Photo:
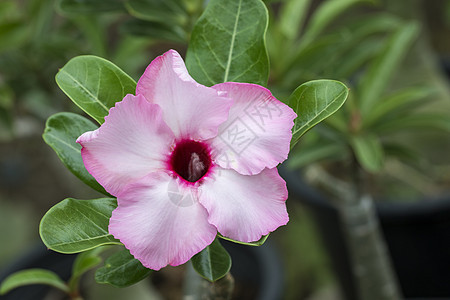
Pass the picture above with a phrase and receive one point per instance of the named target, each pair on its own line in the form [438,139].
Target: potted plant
[97,86]
[363,149]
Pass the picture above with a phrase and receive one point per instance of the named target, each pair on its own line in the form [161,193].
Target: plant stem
[75,296]
[371,264]
[372,269]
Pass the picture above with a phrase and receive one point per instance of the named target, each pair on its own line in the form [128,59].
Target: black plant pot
[417,236]
[257,271]
[37,257]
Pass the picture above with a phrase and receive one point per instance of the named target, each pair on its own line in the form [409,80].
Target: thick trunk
[371,264]
[372,269]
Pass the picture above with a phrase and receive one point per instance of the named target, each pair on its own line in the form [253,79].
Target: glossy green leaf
[121,269]
[166,12]
[154,30]
[228,43]
[32,276]
[94,84]
[313,102]
[377,78]
[258,243]
[61,132]
[368,151]
[73,225]
[213,262]
[89,6]
[327,12]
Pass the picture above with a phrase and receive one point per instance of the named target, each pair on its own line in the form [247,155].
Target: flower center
[190,160]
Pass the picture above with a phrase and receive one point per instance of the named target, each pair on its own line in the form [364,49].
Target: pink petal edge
[244,207]
[191,110]
[133,142]
[258,131]
[160,221]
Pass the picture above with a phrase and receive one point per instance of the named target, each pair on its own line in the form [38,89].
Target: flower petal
[133,142]
[159,221]
[257,133]
[190,109]
[244,207]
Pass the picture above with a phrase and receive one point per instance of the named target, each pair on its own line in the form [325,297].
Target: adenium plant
[186,161]
[182,161]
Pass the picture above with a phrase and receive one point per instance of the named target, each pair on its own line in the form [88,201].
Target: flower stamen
[190,160]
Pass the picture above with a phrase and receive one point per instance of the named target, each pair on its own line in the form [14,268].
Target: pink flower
[186,161]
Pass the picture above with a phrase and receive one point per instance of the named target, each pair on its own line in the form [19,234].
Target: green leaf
[325,14]
[408,97]
[364,26]
[213,262]
[13,35]
[73,225]
[355,57]
[121,269]
[417,121]
[84,262]
[348,47]
[292,16]
[312,154]
[6,96]
[166,12]
[94,84]
[89,6]
[258,243]
[32,276]
[405,153]
[313,102]
[61,132]
[154,30]
[379,74]
[228,43]
[368,151]
[308,62]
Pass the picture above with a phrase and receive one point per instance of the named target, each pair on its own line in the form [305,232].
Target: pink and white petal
[190,109]
[133,142]
[244,207]
[257,133]
[160,221]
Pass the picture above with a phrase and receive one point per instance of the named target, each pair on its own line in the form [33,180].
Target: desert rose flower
[186,161]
